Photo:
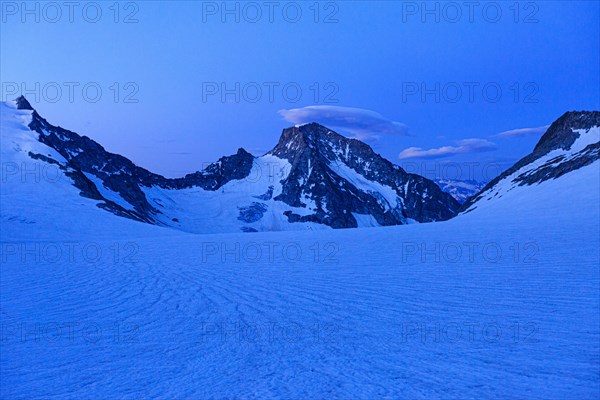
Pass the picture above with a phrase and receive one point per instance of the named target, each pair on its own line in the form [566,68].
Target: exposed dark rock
[267,196]
[560,135]
[23,104]
[332,175]
[252,213]
[122,176]
[237,166]
[559,166]
[320,158]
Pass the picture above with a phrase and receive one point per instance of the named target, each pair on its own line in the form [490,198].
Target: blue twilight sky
[436,87]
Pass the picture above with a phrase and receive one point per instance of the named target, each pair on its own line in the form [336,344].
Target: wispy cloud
[463,146]
[520,132]
[362,123]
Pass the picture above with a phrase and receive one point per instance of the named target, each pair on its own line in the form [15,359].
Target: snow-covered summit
[314,178]
[345,177]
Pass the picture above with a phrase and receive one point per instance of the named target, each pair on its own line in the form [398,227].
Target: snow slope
[502,302]
[206,316]
[219,211]
[564,155]
[32,190]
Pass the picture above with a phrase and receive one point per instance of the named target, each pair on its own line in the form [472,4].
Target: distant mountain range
[313,178]
[461,190]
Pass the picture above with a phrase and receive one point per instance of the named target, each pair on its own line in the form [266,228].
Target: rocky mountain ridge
[323,178]
[570,143]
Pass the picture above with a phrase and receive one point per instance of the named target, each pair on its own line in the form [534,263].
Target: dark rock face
[268,195]
[237,166]
[561,165]
[560,135]
[324,166]
[83,155]
[122,176]
[88,189]
[23,104]
[336,175]
[253,212]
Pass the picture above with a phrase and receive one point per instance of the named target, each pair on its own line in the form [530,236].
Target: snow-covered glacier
[501,301]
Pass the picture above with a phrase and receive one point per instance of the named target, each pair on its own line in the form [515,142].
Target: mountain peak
[560,134]
[327,180]
[569,144]
[309,132]
[242,152]
[334,177]
[23,104]
[311,138]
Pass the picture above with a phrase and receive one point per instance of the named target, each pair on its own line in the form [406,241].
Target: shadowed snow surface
[501,302]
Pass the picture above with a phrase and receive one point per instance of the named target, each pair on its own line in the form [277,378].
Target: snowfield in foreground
[487,305]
